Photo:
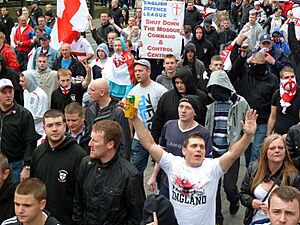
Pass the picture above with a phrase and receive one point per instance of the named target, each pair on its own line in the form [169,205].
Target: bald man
[69,61]
[104,107]
[23,42]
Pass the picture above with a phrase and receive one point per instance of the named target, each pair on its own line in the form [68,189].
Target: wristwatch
[27,167]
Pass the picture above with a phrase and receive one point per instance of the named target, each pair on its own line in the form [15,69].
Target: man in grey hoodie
[223,123]
[35,98]
[165,78]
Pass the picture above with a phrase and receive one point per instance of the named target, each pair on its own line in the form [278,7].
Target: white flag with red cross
[72,18]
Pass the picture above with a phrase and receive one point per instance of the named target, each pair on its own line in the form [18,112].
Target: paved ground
[228,219]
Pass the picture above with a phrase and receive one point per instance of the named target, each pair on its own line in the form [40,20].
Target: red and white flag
[72,18]
[206,11]
[284,27]
[225,54]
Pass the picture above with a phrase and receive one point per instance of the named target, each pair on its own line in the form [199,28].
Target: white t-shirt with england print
[192,189]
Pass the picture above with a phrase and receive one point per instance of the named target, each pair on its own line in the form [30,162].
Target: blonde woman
[273,168]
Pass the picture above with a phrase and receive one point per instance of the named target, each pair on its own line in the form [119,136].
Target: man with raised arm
[193,180]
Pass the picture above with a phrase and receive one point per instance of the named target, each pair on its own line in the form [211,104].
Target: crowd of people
[70,156]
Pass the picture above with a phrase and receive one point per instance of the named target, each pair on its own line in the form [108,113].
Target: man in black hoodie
[211,34]
[192,17]
[256,83]
[167,108]
[56,163]
[204,48]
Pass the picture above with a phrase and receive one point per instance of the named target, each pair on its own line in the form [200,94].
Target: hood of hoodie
[278,30]
[122,41]
[104,48]
[185,74]
[220,78]
[30,76]
[203,34]
[66,143]
[189,47]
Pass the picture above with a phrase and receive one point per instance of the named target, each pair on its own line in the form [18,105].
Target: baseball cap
[45,36]
[265,38]
[143,62]
[5,83]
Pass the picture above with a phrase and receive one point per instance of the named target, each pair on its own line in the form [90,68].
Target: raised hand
[249,126]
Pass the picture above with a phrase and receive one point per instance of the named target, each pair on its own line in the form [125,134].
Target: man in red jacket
[23,42]
[8,54]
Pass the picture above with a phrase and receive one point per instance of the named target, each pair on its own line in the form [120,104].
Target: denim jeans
[259,137]
[17,168]
[139,156]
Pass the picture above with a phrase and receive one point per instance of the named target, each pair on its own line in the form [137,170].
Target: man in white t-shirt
[193,180]
[147,93]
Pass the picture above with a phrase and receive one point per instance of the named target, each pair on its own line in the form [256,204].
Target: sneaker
[234,208]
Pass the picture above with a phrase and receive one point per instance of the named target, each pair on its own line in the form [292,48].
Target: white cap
[5,83]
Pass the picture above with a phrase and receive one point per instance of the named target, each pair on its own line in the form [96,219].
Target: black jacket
[225,36]
[295,49]
[59,100]
[257,89]
[111,112]
[111,193]
[115,13]
[247,196]
[9,24]
[204,48]
[293,144]
[13,76]
[103,30]
[36,13]
[18,138]
[49,221]
[192,18]
[212,36]
[167,108]
[7,194]
[235,13]
[58,169]
[76,66]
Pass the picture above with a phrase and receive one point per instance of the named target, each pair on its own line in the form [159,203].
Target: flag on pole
[72,18]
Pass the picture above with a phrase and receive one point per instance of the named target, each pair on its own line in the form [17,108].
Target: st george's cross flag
[72,18]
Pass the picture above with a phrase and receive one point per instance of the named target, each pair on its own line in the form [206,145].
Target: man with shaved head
[69,61]
[104,107]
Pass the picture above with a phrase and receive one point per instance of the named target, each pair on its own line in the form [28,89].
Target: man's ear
[110,144]
[43,204]
[6,174]
[183,151]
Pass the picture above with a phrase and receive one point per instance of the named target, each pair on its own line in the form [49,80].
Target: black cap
[194,100]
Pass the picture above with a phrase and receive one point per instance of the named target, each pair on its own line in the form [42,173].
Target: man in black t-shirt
[285,103]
